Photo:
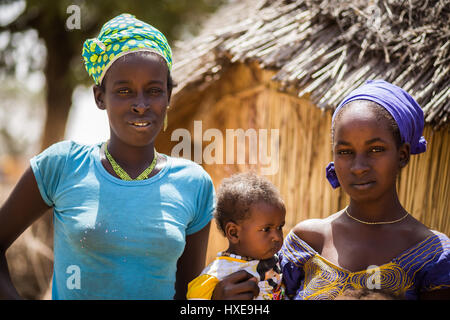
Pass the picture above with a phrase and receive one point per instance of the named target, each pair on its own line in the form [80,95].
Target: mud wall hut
[281,67]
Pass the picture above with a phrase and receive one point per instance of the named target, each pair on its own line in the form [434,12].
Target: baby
[250,213]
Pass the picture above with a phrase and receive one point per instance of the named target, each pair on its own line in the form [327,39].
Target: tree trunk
[59,91]
[59,100]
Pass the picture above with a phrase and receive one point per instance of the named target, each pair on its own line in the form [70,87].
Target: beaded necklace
[122,173]
[231,255]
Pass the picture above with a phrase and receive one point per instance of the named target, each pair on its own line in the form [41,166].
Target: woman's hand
[240,285]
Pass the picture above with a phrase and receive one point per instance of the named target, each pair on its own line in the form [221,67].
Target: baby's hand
[240,285]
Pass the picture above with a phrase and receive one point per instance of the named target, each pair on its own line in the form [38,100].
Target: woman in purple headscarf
[374,242]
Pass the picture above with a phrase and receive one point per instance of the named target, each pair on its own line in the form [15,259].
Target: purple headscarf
[403,108]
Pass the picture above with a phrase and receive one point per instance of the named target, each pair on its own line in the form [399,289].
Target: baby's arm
[21,209]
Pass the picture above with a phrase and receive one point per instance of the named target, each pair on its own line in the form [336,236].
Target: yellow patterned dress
[423,267]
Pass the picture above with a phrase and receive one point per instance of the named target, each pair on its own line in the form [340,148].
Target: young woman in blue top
[130,223]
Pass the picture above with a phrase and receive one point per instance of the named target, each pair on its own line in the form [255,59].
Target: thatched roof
[326,48]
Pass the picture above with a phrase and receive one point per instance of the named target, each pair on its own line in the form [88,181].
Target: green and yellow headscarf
[119,36]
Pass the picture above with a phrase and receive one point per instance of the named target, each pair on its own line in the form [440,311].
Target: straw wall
[424,185]
[245,98]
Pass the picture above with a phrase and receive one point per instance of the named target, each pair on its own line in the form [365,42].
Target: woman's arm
[192,261]
[21,209]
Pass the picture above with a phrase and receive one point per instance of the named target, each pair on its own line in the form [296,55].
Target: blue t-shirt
[116,239]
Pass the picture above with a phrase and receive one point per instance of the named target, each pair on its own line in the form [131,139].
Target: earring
[165,119]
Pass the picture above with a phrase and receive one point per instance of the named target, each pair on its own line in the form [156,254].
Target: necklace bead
[122,174]
[235,256]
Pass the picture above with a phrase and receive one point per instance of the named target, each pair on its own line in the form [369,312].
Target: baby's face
[261,234]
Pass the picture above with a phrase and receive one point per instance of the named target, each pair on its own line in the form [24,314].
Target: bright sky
[86,124]
[11,11]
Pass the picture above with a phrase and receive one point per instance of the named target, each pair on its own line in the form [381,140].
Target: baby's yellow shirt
[202,287]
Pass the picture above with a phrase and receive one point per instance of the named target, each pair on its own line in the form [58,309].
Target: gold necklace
[381,222]
[122,174]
